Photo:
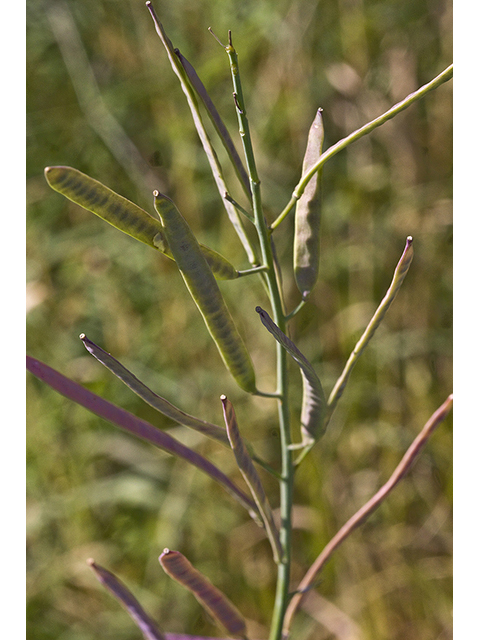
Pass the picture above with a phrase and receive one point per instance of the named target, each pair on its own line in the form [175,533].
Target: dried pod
[313,403]
[180,569]
[308,214]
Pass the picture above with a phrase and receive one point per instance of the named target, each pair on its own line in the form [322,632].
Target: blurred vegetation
[96,492]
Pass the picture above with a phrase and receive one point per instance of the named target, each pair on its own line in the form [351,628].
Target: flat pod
[146,625]
[123,214]
[180,569]
[247,468]
[204,290]
[308,215]
[153,399]
[313,403]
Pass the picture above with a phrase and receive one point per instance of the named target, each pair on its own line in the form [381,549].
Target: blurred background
[103,98]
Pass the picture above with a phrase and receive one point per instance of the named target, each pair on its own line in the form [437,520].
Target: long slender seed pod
[124,215]
[222,130]
[245,464]
[151,398]
[313,402]
[399,274]
[212,599]
[307,215]
[137,427]
[212,157]
[205,292]
[146,625]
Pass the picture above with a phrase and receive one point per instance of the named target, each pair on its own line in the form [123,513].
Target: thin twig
[403,467]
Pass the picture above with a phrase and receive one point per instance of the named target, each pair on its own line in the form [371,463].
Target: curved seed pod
[124,214]
[218,123]
[119,590]
[399,274]
[245,464]
[313,403]
[151,398]
[221,267]
[307,215]
[139,428]
[180,569]
[205,292]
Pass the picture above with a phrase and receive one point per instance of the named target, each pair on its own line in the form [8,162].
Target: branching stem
[442,77]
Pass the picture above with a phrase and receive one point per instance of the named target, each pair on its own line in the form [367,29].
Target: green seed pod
[204,290]
[124,215]
[307,215]
[313,403]
[176,565]
[105,203]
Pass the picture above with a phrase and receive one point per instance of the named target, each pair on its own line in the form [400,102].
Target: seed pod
[180,569]
[205,292]
[124,215]
[245,464]
[154,400]
[313,402]
[146,625]
[307,215]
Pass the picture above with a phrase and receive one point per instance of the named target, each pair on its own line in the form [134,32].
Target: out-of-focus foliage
[95,492]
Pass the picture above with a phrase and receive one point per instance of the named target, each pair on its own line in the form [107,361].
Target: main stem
[286,480]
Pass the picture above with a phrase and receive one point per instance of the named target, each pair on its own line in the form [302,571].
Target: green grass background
[93,491]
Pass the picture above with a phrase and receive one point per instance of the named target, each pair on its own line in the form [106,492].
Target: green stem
[445,75]
[287,472]
[293,313]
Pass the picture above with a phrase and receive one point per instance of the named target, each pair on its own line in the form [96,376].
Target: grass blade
[212,599]
[119,590]
[151,398]
[245,464]
[138,427]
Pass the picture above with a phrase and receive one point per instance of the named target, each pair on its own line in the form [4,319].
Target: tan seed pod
[212,599]
[245,464]
[307,215]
